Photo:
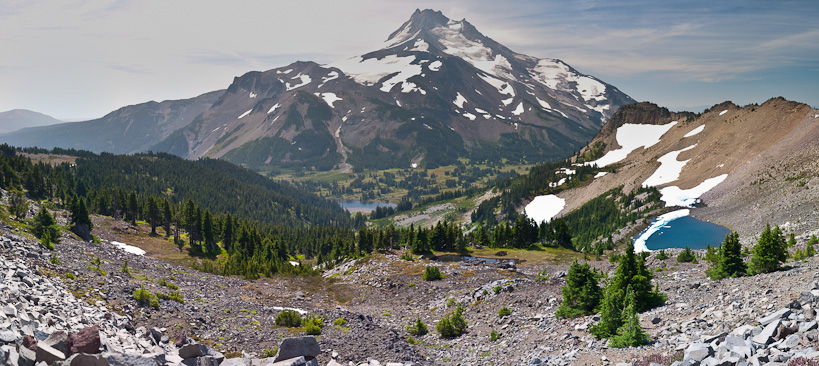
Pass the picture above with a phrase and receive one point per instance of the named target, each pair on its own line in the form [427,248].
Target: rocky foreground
[78,313]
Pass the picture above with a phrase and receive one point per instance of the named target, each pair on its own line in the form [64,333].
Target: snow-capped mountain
[437,90]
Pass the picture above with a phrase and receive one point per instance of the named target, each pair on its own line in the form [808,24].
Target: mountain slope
[438,90]
[127,130]
[741,167]
[16,119]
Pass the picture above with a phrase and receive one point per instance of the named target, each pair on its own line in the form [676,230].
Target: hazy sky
[83,59]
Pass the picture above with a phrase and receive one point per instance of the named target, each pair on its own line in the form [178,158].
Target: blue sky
[82,59]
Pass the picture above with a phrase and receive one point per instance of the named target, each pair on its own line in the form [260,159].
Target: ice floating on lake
[128,248]
[674,196]
[544,208]
[632,136]
[660,222]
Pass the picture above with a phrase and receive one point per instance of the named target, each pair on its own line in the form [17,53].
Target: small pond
[364,206]
[469,258]
[681,232]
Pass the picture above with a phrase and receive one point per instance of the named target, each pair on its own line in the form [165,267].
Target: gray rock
[698,351]
[767,334]
[57,340]
[128,359]
[807,326]
[238,361]
[790,342]
[156,335]
[806,298]
[48,354]
[85,359]
[782,313]
[27,357]
[8,336]
[298,346]
[193,350]
[295,361]
[201,361]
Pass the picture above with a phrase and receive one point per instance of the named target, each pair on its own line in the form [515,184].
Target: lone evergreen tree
[770,251]
[44,227]
[581,294]
[611,313]
[729,259]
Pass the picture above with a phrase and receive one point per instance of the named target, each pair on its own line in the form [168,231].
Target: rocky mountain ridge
[16,119]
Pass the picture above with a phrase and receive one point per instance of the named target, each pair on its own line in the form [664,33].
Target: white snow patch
[293,263]
[273,108]
[544,208]
[279,308]
[674,196]
[329,98]
[332,75]
[435,65]
[420,45]
[567,171]
[459,100]
[253,95]
[631,137]
[305,79]
[669,170]
[508,101]
[600,174]
[246,113]
[723,112]
[695,131]
[543,103]
[128,248]
[370,71]
[470,116]
[414,165]
[286,71]
[816,116]
[519,110]
[474,52]
[503,87]
[659,222]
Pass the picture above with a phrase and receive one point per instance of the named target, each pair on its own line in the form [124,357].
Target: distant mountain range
[16,119]
[438,90]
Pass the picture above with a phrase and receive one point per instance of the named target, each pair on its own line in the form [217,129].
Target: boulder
[58,340]
[201,361]
[128,359]
[238,361]
[29,342]
[698,351]
[806,298]
[298,346]
[295,361]
[767,333]
[87,340]
[156,335]
[193,350]
[84,359]
[48,354]
[807,326]
[26,357]
[782,313]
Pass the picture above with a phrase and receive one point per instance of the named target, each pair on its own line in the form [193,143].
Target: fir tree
[133,207]
[630,334]
[44,227]
[153,214]
[581,294]
[729,261]
[611,313]
[207,233]
[167,216]
[770,251]
[79,213]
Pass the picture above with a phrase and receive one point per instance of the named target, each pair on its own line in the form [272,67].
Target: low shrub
[288,318]
[432,273]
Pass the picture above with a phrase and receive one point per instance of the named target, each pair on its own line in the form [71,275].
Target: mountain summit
[436,91]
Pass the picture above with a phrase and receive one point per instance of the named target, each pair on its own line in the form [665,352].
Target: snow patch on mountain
[723,112]
[674,196]
[304,78]
[470,116]
[253,95]
[243,115]
[630,137]
[695,131]
[420,45]
[474,52]
[435,65]
[332,75]
[329,98]
[543,104]
[370,71]
[519,110]
[669,170]
[273,108]
[459,100]
[544,208]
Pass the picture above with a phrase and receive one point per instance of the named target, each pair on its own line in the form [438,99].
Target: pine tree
[133,207]
[79,213]
[153,214]
[207,233]
[630,334]
[44,227]
[729,261]
[611,313]
[227,233]
[581,294]
[167,216]
[770,251]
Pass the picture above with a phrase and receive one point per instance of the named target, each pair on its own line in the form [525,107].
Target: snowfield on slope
[544,208]
[631,137]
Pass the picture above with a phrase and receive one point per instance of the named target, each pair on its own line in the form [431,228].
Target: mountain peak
[420,20]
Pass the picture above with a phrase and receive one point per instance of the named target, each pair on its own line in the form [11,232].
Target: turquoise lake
[687,231]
